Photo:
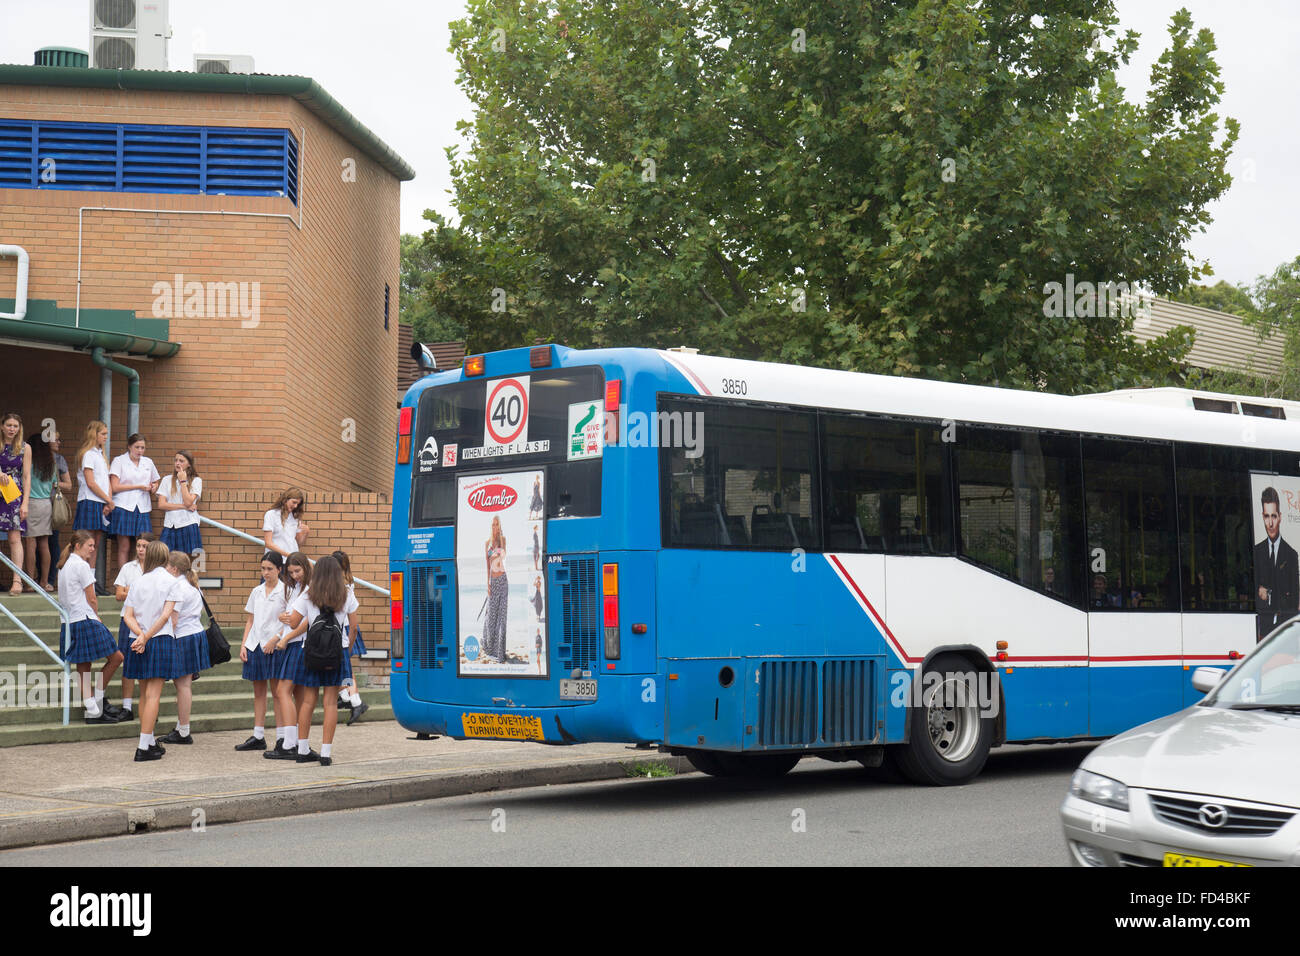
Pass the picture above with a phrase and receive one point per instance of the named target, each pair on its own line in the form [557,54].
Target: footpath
[53,793]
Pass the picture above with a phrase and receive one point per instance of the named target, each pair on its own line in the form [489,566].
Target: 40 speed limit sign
[506,412]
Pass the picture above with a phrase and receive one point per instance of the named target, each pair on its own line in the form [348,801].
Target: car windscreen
[1269,677]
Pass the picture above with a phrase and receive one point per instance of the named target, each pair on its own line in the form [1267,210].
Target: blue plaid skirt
[124,637]
[284,662]
[158,659]
[91,641]
[89,516]
[186,540]
[305,678]
[357,647]
[259,666]
[192,654]
[129,524]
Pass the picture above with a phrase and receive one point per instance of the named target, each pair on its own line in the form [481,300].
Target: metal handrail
[261,543]
[67,624]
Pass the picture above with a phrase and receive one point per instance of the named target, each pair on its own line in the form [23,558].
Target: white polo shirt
[294,592]
[94,460]
[129,472]
[284,533]
[148,597]
[74,578]
[266,610]
[129,574]
[183,517]
[304,606]
[189,607]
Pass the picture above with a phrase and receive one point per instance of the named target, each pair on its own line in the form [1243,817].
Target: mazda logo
[1213,815]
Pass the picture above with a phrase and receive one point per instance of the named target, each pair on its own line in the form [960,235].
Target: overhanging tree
[886,187]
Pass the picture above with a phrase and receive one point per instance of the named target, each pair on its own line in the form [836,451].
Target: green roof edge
[302,88]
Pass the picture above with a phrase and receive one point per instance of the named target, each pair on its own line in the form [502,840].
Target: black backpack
[322,650]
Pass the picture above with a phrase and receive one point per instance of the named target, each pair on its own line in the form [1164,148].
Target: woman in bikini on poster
[494,630]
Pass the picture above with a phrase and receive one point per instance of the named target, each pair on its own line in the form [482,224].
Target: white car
[1217,784]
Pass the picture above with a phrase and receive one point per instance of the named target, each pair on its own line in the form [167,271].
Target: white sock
[144,741]
[92,706]
[126,703]
[259,733]
[290,738]
[356,699]
[325,749]
[99,696]
[343,698]
[304,746]
[152,739]
[183,729]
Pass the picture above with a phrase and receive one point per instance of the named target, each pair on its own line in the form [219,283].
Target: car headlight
[1095,788]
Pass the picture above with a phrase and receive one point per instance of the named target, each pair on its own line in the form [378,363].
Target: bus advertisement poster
[500,560]
[1275,502]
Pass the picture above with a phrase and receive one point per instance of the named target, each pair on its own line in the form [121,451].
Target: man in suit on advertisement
[1277,570]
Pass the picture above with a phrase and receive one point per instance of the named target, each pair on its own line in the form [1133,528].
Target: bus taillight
[397,642]
[613,396]
[610,591]
[404,435]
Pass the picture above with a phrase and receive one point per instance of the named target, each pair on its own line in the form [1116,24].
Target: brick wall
[353,522]
[304,396]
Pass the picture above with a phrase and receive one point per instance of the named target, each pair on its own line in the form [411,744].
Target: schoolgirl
[191,642]
[283,528]
[94,497]
[264,607]
[327,589]
[178,500]
[40,506]
[86,639]
[16,481]
[148,613]
[132,478]
[348,696]
[127,576]
[284,657]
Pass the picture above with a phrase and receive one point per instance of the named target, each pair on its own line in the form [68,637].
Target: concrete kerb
[72,825]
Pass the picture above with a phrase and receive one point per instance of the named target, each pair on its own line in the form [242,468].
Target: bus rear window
[533,425]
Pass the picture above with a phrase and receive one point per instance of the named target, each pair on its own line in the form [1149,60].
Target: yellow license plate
[509,726]
[1178,859]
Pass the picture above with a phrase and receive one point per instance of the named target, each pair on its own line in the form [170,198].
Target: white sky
[386,61]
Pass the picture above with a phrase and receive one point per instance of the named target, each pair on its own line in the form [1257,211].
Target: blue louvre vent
[213,160]
[787,703]
[428,586]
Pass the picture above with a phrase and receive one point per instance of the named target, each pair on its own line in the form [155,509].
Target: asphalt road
[820,814]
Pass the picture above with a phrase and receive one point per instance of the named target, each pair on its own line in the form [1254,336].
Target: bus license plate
[1178,859]
[578,689]
[509,726]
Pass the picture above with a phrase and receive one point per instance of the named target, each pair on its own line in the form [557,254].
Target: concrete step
[53,731]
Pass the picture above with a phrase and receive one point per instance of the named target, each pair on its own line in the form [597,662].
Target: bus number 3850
[734,386]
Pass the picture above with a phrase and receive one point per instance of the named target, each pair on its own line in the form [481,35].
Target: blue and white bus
[747,563]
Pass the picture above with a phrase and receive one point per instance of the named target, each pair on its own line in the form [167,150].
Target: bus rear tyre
[948,737]
[720,764]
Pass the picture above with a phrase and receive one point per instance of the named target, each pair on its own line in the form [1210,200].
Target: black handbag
[218,646]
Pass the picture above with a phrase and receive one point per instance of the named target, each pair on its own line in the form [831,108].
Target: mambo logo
[492,498]
[948,691]
[77,909]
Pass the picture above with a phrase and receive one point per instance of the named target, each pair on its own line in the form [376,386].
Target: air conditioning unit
[129,34]
[220,63]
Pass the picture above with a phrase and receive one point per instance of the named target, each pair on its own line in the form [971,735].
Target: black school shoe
[175,738]
[109,709]
[357,712]
[252,743]
[158,747]
[126,715]
[310,756]
[148,754]
[281,753]
[326,761]
[103,718]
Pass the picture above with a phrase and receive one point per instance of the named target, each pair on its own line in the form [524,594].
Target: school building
[211,260]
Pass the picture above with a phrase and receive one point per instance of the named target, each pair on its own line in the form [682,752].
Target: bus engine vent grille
[427,589]
[846,701]
[787,703]
[581,631]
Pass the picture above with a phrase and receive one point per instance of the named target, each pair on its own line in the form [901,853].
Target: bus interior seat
[771,528]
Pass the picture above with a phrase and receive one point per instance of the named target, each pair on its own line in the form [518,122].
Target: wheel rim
[952,720]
